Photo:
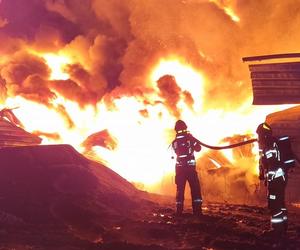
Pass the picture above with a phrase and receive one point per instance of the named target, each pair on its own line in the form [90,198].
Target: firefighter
[273,168]
[184,146]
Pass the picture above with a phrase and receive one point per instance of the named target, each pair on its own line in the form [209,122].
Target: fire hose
[236,145]
[228,146]
[233,146]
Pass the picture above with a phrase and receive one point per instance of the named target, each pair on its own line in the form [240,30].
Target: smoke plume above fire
[131,68]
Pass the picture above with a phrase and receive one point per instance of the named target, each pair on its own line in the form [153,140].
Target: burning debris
[101,139]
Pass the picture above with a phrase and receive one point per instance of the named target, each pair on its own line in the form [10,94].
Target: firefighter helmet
[264,129]
[180,125]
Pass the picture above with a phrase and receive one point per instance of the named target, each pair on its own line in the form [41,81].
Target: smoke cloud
[170,92]
[116,43]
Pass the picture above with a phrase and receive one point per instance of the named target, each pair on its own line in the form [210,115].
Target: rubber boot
[179,208]
[197,209]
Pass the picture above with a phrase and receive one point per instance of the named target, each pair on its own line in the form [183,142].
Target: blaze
[141,125]
[142,150]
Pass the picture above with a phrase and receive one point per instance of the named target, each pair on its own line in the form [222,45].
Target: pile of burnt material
[51,196]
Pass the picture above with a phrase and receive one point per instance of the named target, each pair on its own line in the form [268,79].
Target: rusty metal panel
[275,83]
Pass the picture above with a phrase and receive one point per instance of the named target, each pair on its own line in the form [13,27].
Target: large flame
[143,130]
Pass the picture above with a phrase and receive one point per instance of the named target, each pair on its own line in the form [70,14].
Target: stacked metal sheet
[12,135]
[276,83]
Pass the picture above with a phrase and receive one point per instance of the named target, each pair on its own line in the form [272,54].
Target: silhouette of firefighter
[275,159]
[184,146]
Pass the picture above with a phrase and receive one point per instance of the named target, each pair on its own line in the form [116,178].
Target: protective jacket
[273,169]
[184,146]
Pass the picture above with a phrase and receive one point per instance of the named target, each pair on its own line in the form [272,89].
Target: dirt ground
[222,226]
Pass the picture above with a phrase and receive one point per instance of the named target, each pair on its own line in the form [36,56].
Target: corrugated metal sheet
[12,135]
[275,83]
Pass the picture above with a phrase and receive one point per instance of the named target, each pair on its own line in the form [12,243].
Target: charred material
[52,197]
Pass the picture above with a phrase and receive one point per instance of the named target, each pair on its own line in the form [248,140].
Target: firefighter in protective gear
[273,170]
[184,146]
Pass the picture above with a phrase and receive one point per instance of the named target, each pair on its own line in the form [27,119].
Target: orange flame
[143,131]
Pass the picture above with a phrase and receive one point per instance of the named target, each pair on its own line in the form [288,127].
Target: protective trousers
[183,174]
[276,200]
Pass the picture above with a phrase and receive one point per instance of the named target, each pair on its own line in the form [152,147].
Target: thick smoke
[26,75]
[116,43]
[170,92]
